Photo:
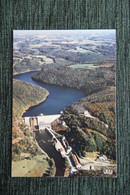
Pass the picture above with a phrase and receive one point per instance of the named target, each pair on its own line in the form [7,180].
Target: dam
[43,124]
[38,123]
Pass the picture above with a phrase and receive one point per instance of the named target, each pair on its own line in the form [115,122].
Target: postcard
[64,103]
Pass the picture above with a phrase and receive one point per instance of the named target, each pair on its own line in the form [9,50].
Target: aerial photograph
[64,103]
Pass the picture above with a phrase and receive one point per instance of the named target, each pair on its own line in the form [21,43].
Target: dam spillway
[40,121]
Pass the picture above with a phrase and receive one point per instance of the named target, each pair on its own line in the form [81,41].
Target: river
[44,141]
[58,99]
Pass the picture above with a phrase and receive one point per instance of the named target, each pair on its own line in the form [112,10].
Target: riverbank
[25,96]
[27,71]
[65,96]
[31,107]
[88,80]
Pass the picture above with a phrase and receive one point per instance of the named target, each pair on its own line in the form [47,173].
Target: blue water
[58,99]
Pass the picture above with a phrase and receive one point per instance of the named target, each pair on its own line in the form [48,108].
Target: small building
[60,148]
[103,158]
[25,155]
[64,142]
[62,151]
[61,112]
[108,172]
[86,113]
[68,150]
[76,161]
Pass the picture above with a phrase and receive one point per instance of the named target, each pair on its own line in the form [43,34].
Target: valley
[83,60]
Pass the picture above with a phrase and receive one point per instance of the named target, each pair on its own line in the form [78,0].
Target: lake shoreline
[16,74]
[59,97]
[38,70]
[29,108]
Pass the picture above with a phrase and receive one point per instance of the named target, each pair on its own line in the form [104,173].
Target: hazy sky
[61,35]
[94,31]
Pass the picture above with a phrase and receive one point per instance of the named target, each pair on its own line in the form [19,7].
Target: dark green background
[66,14]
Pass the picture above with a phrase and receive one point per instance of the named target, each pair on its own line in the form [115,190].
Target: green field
[81,65]
[36,166]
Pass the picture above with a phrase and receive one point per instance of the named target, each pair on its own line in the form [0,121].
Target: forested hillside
[26,95]
[94,131]
[27,157]
[89,80]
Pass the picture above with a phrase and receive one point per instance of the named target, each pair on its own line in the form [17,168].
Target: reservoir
[58,99]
